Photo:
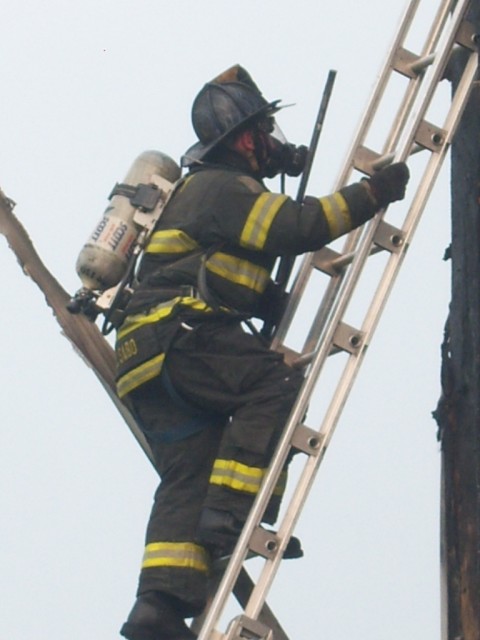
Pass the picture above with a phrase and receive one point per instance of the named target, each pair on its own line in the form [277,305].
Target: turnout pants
[216,453]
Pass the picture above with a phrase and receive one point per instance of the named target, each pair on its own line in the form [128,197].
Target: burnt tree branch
[84,335]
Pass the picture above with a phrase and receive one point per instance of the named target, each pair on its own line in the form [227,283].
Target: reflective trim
[238,271]
[141,374]
[137,320]
[175,554]
[159,312]
[238,476]
[337,213]
[171,241]
[260,218]
[185,181]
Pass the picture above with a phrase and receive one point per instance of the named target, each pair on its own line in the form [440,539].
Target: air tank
[103,260]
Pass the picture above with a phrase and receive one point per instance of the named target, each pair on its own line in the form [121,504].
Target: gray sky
[86,88]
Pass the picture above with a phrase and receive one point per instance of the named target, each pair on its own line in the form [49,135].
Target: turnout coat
[212,253]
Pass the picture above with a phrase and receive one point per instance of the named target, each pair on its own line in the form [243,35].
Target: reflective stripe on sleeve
[171,241]
[256,228]
[337,213]
[185,555]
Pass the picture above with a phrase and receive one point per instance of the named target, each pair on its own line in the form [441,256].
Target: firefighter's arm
[277,225]
[296,228]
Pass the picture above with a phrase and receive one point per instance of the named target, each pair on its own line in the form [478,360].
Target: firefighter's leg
[231,371]
[172,584]
[243,460]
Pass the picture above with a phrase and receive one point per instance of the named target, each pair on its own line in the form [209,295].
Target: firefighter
[209,394]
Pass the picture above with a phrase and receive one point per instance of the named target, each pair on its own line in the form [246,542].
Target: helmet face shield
[278,134]
[269,125]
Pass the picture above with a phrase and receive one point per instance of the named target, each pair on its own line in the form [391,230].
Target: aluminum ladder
[329,333]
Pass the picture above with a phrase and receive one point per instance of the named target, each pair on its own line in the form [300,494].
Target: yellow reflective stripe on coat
[171,241]
[159,312]
[337,213]
[175,554]
[141,374]
[260,218]
[137,320]
[239,271]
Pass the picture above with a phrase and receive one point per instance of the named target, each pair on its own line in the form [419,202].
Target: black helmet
[223,105]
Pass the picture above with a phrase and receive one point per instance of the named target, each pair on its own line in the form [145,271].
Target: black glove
[389,184]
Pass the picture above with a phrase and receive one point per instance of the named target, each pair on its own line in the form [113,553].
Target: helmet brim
[198,151]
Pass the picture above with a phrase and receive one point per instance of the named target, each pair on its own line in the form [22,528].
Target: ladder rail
[352,367]
[302,276]
[430,45]
[352,160]
[409,147]
[382,293]
[373,315]
[345,285]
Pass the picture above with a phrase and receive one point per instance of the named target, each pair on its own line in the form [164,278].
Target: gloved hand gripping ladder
[329,333]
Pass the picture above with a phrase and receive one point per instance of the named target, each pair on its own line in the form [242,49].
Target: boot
[219,531]
[153,617]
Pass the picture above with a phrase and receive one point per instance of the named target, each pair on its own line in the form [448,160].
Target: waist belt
[144,298]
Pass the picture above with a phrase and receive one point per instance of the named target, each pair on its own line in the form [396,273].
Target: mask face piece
[275,154]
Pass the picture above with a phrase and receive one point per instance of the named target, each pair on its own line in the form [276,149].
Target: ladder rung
[303,360]
[290,355]
[347,338]
[403,62]
[307,440]
[243,627]
[409,64]
[388,237]
[306,358]
[325,260]
[430,136]
[368,161]
[421,64]
[365,160]
[264,543]
[467,36]
[347,258]
[383,161]
[243,589]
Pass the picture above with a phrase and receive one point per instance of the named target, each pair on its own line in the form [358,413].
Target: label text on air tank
[114,235]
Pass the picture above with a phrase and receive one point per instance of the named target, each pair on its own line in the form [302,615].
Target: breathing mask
[275,154]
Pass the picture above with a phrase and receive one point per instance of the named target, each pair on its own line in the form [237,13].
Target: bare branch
[84,335]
